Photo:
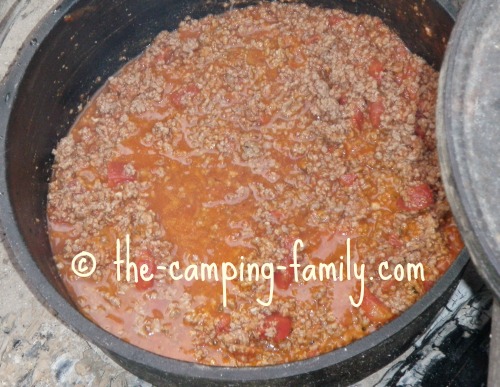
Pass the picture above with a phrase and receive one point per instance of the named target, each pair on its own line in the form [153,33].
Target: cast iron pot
[71,54]
[468,115]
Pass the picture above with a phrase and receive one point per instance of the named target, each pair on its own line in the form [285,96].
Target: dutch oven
[79,45]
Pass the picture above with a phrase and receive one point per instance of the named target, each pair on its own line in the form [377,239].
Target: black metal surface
[468,140]
[468,133]
[40,99]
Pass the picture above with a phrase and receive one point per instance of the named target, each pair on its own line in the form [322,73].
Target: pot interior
[84,42]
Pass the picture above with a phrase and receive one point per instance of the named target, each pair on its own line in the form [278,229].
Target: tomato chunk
[334,20]
[265,119]
[428,285]
[117,173]
[418,198]
[375,111]
[420,132]
[358,120]
[277,215]
[145,260]
[282,325]
[165,56]
[188,91]
[348,179]
[376,311]
[313,39]
[375,70]
[284,278]
[223,324]
[394,240]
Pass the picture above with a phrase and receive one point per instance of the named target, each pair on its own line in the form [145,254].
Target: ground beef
[226,141]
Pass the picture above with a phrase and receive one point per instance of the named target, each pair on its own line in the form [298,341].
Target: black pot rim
[52,300]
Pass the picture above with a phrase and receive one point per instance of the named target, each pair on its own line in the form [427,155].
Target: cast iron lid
[468,129]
